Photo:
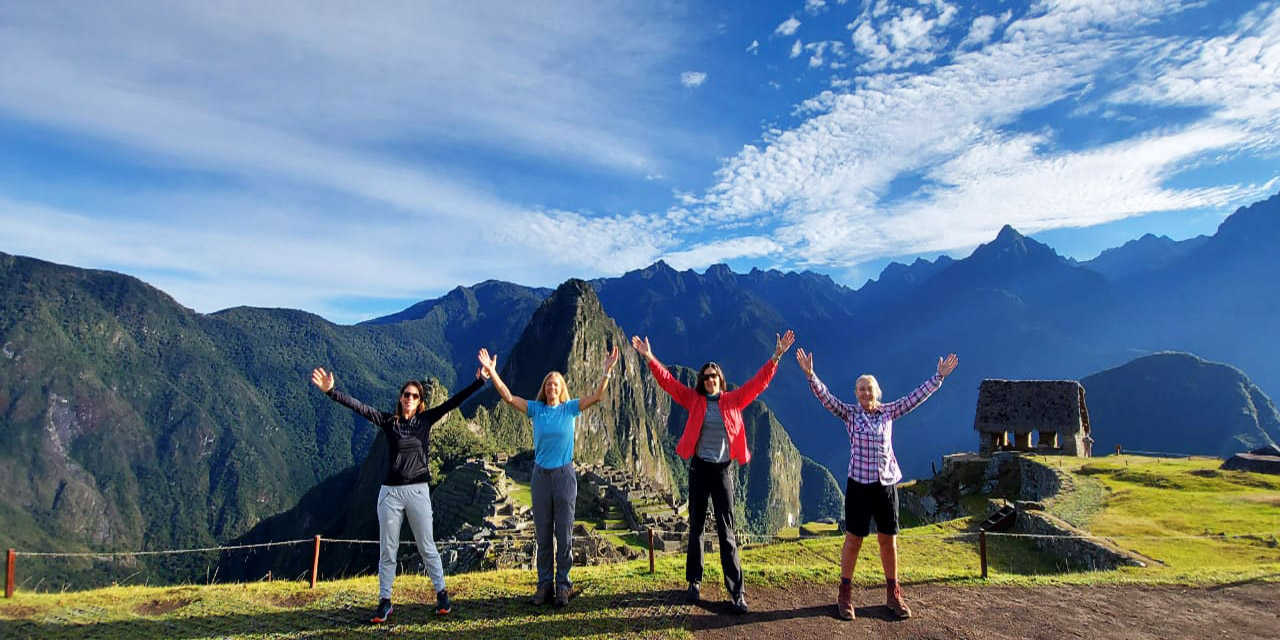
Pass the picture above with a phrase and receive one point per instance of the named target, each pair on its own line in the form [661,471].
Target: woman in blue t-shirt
[554,483]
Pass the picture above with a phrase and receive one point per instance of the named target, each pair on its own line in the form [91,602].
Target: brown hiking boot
[542,595]
[844,604]
[897,604]
[563,593]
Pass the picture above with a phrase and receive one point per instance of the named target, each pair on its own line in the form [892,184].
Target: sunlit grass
[1159,508]
[520,492]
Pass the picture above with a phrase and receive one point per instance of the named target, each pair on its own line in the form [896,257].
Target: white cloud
[753,47]
[721,251]
[788,27]
[693,78]
[983,27]
[813,7]
[817,49]
[911,35]
[829,177]
[1236,75]
[362,115]
[796,49]
[208,261]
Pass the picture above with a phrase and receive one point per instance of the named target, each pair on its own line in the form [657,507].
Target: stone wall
[1027,484]
[1076,548]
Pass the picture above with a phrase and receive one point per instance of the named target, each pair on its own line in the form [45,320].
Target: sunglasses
[409,394]
[710,370]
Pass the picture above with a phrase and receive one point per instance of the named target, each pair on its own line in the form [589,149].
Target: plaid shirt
[871,432]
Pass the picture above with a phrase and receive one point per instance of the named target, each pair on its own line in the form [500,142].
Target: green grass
[1151,501]
[810,529]
[1136,498]
[520,493]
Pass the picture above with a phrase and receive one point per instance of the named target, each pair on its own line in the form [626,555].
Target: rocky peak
[571,333]
[1247,223]
[1010,246]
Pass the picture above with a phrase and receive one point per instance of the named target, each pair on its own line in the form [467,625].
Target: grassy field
[1185,514]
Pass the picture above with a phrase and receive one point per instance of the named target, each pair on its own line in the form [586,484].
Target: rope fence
[647,534]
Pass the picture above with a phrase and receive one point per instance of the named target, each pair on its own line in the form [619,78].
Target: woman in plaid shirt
[871,492]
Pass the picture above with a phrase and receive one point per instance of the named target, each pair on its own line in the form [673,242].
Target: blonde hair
[875,389]
[564,388]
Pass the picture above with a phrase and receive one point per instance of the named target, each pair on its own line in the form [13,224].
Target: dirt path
[991,613]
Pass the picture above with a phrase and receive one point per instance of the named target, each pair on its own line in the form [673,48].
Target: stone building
[1045,416]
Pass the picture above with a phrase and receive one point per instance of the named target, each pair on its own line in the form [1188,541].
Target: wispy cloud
[693,79]
[910,36]
[722,250]
[362,115]
[983,27]
[787,28]
[950,131]
[413,140]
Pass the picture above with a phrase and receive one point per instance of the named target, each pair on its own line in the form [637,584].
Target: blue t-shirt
[553,432]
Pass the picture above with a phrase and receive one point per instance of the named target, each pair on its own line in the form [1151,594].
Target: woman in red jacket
[713,438]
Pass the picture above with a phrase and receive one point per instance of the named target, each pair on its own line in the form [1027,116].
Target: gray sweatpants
[394,504]
[555,492]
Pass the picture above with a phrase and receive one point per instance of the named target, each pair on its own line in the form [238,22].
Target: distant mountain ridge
[112,394]
[1139,256]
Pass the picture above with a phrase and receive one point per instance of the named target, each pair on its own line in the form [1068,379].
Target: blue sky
[352,161]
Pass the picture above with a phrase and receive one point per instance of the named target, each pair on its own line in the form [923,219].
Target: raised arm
[324,380]
[836,406]
[757,384]
[439,411]
[683,395]
[489,367]
[904,405]
[611,360]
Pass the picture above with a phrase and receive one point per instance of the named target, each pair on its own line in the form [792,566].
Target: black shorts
[862,502]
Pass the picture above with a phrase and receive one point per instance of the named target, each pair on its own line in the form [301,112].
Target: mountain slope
[1179,403]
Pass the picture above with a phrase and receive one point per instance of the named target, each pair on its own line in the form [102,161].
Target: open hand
[642,346]
[947,365]
[488,363]
[784,342]
[611,360]
[805,358]
[323,379]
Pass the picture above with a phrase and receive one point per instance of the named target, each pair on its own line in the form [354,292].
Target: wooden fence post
[982,551]
[315,563]
[8,573]
[651,551]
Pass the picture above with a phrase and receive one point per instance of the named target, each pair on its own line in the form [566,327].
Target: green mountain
[634,428]
[124,425]
[130,422]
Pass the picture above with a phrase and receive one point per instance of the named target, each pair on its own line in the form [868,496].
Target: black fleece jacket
[407,440]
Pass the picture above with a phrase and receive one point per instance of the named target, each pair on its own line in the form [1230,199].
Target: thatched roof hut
[1054,409]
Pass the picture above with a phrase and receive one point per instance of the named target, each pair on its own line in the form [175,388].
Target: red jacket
[731,405]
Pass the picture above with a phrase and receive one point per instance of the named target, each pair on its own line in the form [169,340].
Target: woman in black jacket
[404,490]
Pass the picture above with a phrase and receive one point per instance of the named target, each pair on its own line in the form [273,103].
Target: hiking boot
[562,595]
[695,592]
[740,604]
[442,603]
[542,595]
[897,604]
[844,603]
[383,612]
